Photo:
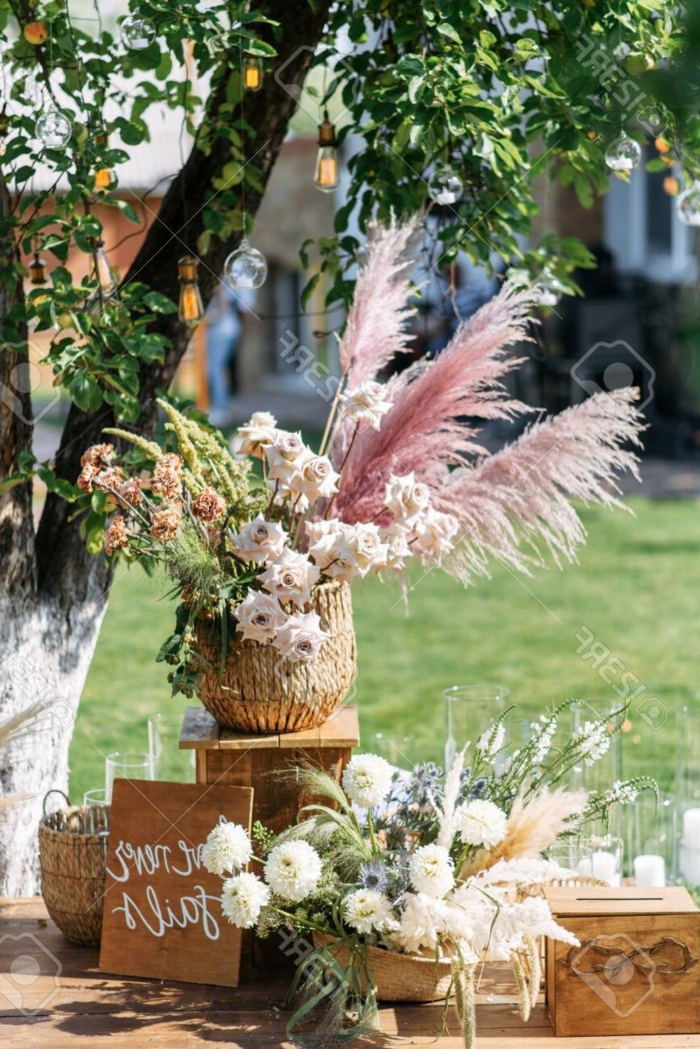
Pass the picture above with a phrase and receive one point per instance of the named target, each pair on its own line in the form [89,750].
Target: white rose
[259,541]
[316,479]
[407,498]
[435,533]
[255,435]
[365,404]
[364,545]
[397,546]
[299,638]
[286,456]
[290,577]
[259,616]
[328,545]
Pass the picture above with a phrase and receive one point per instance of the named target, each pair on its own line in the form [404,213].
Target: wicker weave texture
[72,875]
[399,977]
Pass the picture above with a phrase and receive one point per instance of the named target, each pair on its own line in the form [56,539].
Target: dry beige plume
[532,827]
[12,729]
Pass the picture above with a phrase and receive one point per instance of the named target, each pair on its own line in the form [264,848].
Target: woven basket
[261,692]
[399,977]
[73,874]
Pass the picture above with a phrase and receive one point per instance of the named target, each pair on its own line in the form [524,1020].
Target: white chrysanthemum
[491,742]
[226,849]
[293,870]
[593,739]
[243,898]
[367,780]
[431,872]
[481,822]
[368,910]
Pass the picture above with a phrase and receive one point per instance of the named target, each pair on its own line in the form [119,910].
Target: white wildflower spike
[491,742]
[593,740]
[446,814]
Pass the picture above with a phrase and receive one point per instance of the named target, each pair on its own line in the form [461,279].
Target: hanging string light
[102,271]
[37,268]
[137,33]
[445,186]
[190,308]
[252,73]
[53,128]
[688,205]
[623,154]
[327,173]
[246,267]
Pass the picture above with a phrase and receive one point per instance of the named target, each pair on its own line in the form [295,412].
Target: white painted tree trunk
[45,653]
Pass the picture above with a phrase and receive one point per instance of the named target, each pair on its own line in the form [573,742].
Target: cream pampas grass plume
[532,827]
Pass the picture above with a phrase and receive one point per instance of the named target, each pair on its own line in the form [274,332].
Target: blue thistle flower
[373,875]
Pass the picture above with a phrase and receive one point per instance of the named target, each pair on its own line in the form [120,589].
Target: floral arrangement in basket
[263,540]
[418,876]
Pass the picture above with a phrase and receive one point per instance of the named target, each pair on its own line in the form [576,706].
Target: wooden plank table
[52,997]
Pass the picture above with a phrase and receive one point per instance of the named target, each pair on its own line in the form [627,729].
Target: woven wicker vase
[72,875]
[399,977]
[261,692]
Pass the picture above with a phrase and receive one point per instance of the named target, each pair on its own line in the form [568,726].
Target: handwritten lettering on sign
[162,917]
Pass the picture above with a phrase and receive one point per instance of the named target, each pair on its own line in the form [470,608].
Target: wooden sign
[162,913]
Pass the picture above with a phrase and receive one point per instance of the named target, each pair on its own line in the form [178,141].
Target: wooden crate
[636,970]
[227,757]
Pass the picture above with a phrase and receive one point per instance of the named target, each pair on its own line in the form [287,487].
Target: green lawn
[636,588]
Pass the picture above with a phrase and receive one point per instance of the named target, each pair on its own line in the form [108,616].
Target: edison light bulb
[102,271]
[190,309]
[688,205]
[103,178]
[445,186]
[245,267]
[623,154]
[37,270]
[252,73]
[327,173]
[53,128]
[137,33]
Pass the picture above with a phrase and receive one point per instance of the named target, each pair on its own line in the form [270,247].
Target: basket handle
[48,794]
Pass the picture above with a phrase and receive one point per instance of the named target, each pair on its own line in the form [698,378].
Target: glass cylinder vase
[652,840]
[470,710]
[687,756]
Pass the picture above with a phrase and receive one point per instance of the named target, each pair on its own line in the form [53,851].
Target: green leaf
[85,392]
[449,31]
[309,289]
[159,303]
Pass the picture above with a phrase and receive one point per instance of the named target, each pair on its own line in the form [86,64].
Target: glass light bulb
[137,33]
[190,308]
[688,205]
[623,154]
[445,186]
[53,128]
[252,74]
[103,272]
[246,267]
[548,290]
[327,173]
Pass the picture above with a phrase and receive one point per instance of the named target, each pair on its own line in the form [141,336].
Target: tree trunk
[52,593]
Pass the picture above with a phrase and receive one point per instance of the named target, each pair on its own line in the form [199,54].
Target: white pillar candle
[691,828]
[585,867]
[604,866]
[650,871]
[689,864]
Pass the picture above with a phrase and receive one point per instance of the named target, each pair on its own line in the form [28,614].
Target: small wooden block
[200,731]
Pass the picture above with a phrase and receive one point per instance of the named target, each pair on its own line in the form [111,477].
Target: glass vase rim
[497,691]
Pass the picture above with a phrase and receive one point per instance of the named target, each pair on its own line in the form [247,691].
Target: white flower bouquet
[414,866]
[263,539]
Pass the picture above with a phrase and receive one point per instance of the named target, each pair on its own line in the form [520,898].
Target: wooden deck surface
[58,999]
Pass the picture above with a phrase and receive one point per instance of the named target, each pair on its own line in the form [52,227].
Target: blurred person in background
[223,333]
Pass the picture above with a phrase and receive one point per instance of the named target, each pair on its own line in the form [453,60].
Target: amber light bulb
[327,173]
[103,178]
[37,270]
[190,308]
[252,74]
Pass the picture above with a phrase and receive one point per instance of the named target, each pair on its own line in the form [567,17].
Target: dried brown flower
[208,505]
[166,476]
[130,492]
[98,455]
[86,476]
[164,524]
[109,478]
[116,537]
